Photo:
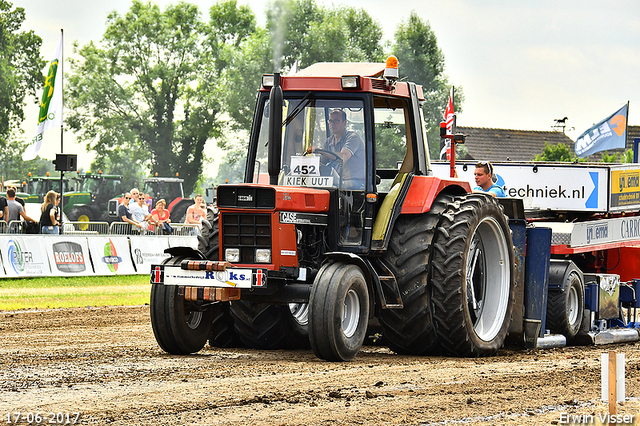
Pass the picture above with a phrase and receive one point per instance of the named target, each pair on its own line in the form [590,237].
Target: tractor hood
[274,198]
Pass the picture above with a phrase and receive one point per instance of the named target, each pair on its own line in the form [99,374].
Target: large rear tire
[410,331]
[209,241]
[338,312]
[264,326]
[181,327]
[83,215]
[565,305]
[473,276]
[222,334]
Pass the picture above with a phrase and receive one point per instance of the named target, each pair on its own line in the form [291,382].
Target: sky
[521,64]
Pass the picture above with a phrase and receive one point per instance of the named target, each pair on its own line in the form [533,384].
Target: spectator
[14,209]
[50,217]
[195,213]
[139,212]
[134,196]
[3,204]
[148,202]
[160,215]
[18,199]
[124,214]
[484,179]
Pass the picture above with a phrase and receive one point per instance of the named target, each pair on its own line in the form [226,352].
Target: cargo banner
[625,187]
[68,255]
[146,251]
[570,187]
[606,231]
[110,255]
[23,256]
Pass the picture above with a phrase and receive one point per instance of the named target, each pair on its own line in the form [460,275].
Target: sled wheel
[565,306]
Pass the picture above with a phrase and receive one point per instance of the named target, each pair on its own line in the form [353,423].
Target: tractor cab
[351,136]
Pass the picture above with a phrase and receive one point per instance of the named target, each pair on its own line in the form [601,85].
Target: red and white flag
[448,114]
[448,119]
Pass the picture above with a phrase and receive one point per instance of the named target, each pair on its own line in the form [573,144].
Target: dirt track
[105,364]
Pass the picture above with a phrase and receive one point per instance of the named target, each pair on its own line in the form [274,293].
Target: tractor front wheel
[181,327]
[338,312]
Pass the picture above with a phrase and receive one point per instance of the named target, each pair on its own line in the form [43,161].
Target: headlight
[232,255]
[263,256]
[350,82]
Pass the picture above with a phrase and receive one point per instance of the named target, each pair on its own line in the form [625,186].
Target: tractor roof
[338,69]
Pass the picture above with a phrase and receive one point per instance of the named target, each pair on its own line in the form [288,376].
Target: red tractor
[315,246]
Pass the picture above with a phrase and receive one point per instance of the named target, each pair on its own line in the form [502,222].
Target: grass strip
[68,292]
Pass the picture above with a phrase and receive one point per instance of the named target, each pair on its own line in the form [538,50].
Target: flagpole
[62,130]
[62,87]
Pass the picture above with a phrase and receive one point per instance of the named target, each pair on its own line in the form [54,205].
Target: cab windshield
[322,144]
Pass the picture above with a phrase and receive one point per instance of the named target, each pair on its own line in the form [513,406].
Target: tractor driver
[349,147]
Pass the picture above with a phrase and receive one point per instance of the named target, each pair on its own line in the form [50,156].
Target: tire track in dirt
[105,363]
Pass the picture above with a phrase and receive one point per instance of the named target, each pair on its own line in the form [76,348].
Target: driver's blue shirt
[353,172]
[493,188]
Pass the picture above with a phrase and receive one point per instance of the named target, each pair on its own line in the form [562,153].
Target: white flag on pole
[50,106]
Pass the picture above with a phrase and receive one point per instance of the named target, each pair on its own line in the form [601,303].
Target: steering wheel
[335,158]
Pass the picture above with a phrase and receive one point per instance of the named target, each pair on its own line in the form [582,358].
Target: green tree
[559,152]
[150,90]
[20,75]
[20,66]
[420,60]
[242,79]
[304,33]
[618,157]
[11,164]
[232,167]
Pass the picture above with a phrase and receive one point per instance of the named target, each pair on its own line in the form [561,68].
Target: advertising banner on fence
[24,256]
[110,255]
[147,251]
[570,187]
[68,255]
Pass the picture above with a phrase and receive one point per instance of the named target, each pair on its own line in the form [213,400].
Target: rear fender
[425,189]
[186,251]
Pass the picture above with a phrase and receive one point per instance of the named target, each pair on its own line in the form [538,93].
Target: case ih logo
[157,275]
[245,198]
[68,257]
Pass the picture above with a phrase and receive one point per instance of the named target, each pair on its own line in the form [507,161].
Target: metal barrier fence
[86,228]
[180,229]
[101,228]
